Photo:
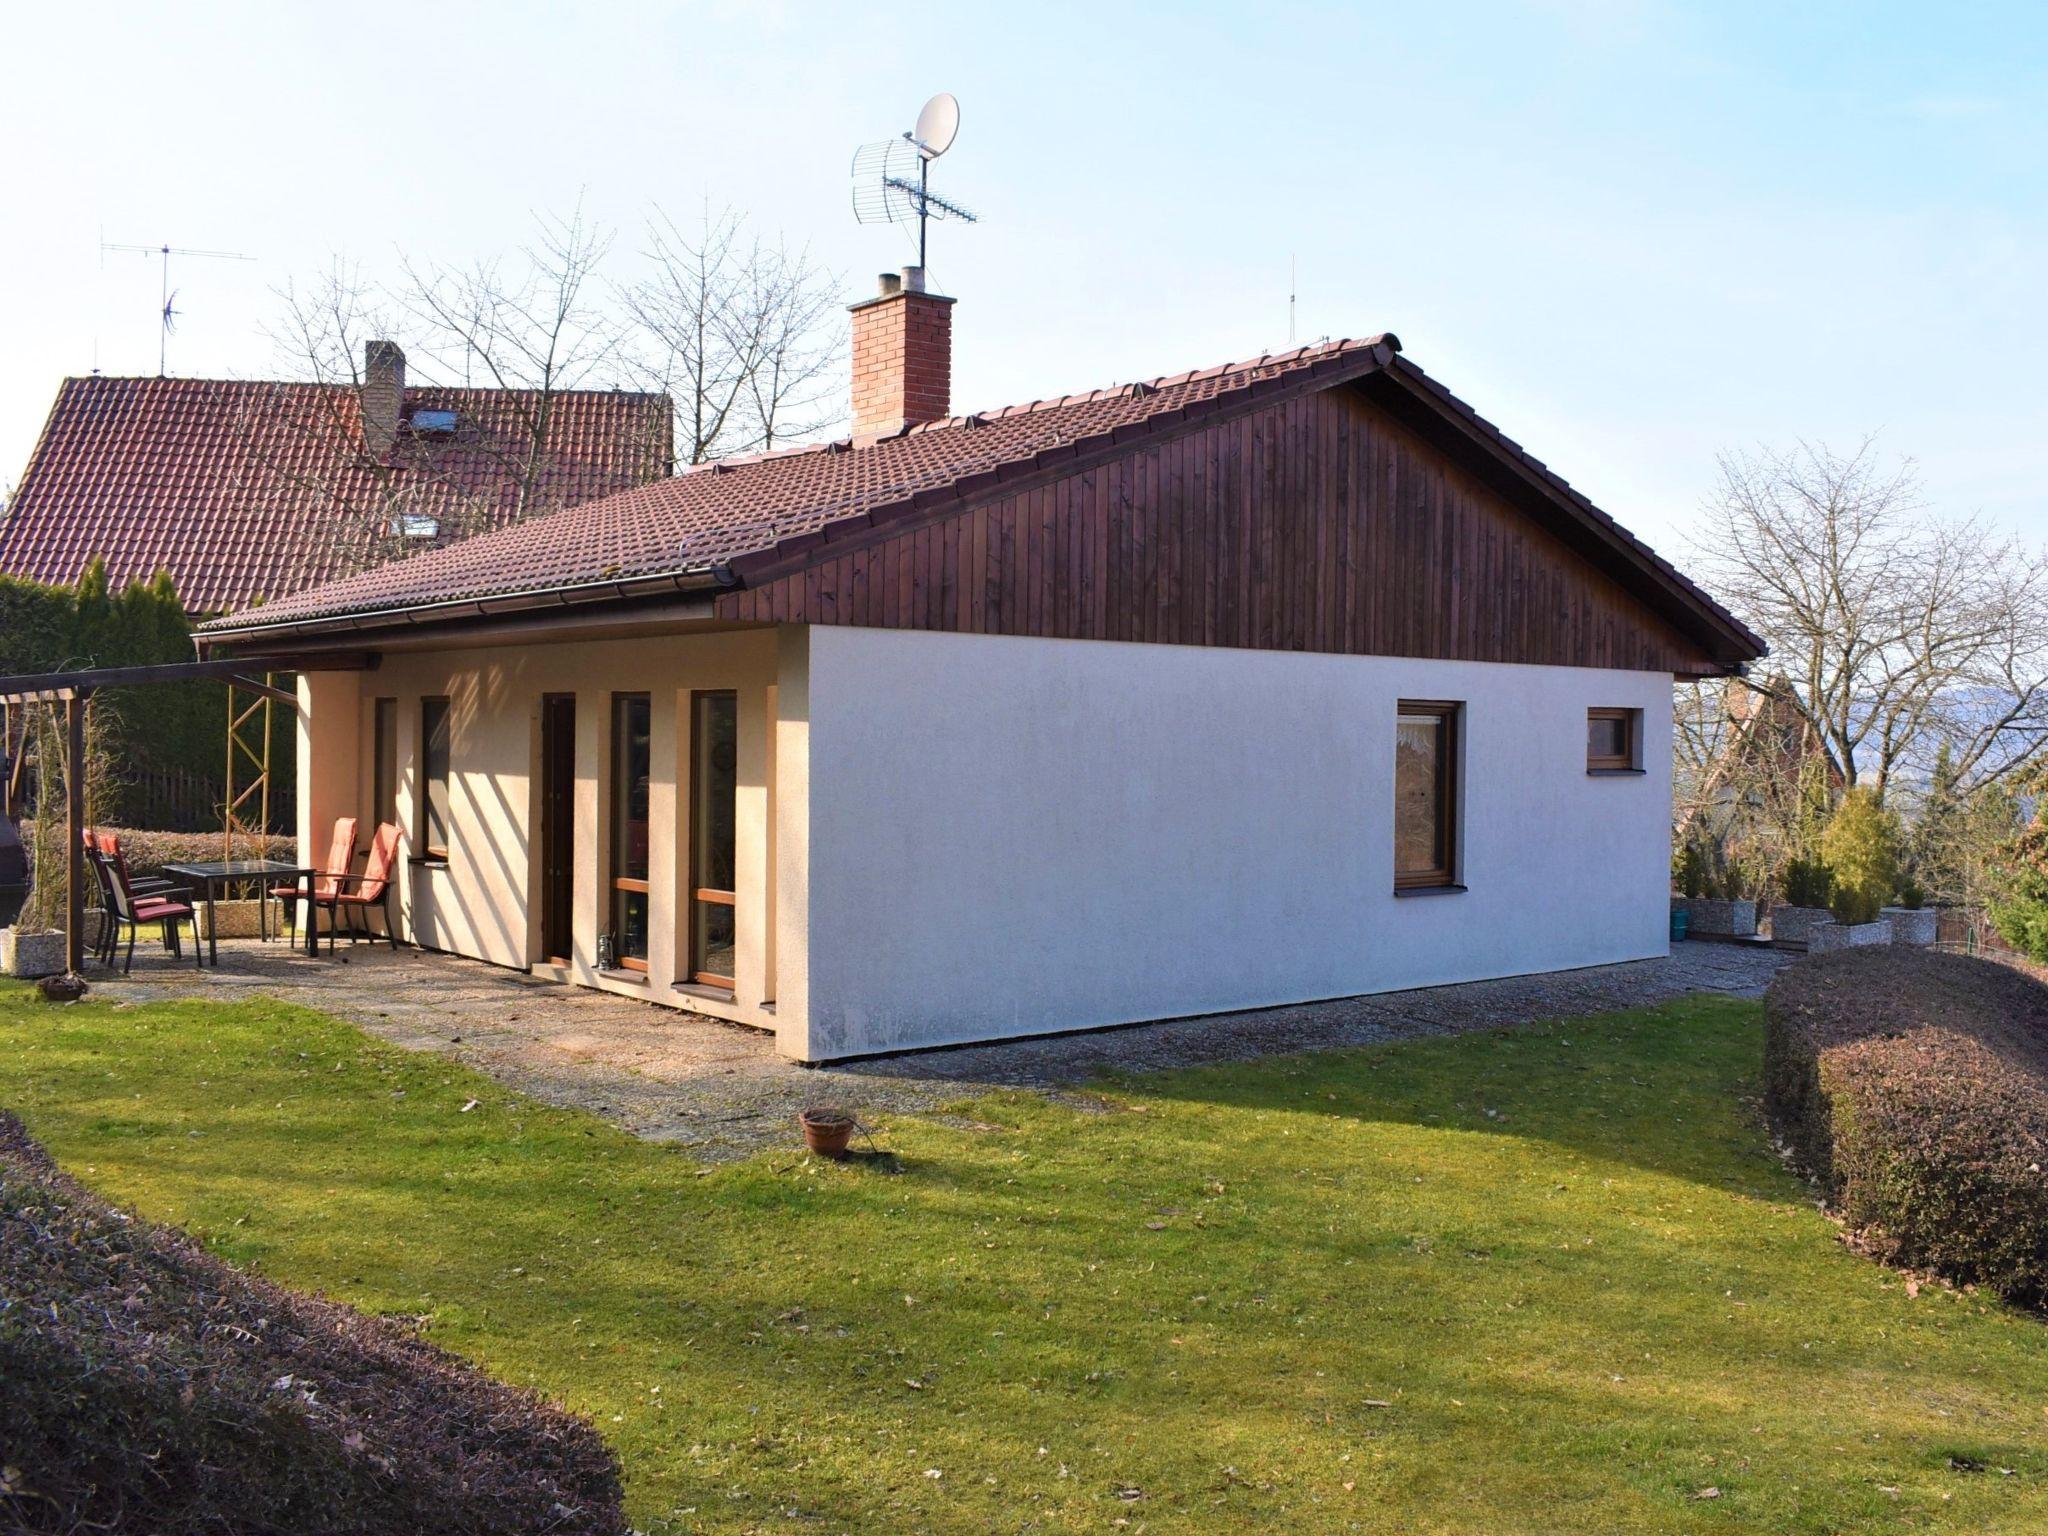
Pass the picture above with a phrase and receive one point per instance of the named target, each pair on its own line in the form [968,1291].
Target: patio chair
[99,847]
[372,888]
[134,908]
[341,858]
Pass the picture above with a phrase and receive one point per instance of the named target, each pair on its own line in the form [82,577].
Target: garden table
[209,876]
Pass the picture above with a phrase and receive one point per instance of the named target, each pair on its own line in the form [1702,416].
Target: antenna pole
[163,335]
[924,172]
[1290,298]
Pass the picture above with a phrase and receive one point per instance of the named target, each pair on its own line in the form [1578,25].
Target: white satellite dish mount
[885,190]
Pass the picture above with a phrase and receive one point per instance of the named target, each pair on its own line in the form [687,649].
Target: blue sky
[1632,234]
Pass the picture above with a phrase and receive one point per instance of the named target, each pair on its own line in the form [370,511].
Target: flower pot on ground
[29,955]
[1832,935]
[1794,925]
[1715,918]
[236,919]
[1916,926]
[827,1131]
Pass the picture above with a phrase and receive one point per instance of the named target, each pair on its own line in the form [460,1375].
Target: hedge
[147,1386]
[1913,1086]
[148,852]
[167,726]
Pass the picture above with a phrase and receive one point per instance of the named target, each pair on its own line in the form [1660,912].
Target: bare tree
[303,462]
[741,331]
[1894,630]
[533,327]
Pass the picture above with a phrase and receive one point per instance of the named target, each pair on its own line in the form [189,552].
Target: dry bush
[1913,1086]
[146,1386]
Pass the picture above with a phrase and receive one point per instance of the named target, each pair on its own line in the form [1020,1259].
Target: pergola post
[74,825]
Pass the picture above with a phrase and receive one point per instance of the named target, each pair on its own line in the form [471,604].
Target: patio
[722,1092]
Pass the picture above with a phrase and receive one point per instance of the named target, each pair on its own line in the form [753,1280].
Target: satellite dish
[938,123]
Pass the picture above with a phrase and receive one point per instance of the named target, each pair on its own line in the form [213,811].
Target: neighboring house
[245,490]
[1286,680]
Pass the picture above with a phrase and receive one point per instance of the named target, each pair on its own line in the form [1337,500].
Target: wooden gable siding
[1317,524]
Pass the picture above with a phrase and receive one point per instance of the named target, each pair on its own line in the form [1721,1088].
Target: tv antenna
[168,299]
[892,177]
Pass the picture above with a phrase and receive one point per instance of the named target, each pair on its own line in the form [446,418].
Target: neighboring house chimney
[902,356]
[383,395]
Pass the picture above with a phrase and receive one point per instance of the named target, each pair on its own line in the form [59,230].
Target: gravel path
[721,1091]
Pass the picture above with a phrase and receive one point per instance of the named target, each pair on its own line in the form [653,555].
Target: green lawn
[1543,1281]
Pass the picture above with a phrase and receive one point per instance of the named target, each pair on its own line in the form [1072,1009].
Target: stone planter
[29,955]
[237,919]
[1794,925]
[1917,926]
[1721,919]
[1829,936]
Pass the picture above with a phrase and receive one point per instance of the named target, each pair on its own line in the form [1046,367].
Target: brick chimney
[383,395]
[902,356]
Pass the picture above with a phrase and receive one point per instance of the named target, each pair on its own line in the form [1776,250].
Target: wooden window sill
[1405,891]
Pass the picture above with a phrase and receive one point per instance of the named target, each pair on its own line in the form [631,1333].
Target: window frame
[1442,876]
[430,850]
[628,885]
[1630,758]
[384,760]
[702,895]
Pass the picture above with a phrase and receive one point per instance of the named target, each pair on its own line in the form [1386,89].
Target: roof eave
[456,610]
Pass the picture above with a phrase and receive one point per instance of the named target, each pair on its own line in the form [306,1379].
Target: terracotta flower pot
[827,1131]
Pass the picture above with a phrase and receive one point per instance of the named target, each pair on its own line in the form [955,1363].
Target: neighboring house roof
[737,520]
[246,490]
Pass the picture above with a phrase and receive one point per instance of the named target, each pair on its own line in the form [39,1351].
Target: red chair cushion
[150,911]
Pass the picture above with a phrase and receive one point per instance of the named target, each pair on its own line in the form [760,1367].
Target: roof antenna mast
[885,190]
[168,298]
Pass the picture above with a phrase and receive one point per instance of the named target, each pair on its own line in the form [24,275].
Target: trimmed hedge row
[1913,1086]
[148,852]
[146,1386]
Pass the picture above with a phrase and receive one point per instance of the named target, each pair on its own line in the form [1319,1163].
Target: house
[245,490]
[1285,680]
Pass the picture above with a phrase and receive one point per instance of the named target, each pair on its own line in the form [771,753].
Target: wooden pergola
[74,690]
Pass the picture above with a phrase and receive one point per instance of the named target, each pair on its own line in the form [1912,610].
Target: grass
[1524,1282]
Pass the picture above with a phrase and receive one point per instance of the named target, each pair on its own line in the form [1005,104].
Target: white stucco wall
[1012,836]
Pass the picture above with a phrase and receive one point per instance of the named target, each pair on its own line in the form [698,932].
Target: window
[714,796]
[384,761]
[416,525]
[1612,740]
[433,827]
[631,760]
[1426,796]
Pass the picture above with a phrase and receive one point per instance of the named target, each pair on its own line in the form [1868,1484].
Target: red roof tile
[247,489]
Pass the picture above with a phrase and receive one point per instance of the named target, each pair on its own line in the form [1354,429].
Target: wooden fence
[170,800]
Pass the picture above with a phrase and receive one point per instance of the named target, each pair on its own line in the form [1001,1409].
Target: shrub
[145,1385]
[1913,1086]
[1807,883]
[148,852]
[1689,871]
[2020,912]
[1860,848]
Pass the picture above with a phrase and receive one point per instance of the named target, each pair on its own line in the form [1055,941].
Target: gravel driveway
[721,1091]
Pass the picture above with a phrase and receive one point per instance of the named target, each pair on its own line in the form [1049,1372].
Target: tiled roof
[246,489]
[720,512]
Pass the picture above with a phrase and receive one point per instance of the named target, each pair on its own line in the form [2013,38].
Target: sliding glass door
[714,789]
[631,762]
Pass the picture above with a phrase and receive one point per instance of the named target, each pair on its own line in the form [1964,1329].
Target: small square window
[1614,740]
